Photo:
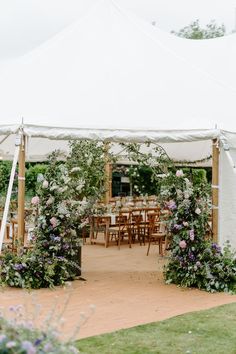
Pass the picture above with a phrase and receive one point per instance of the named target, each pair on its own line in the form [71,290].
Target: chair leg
[149,244]
[119,241]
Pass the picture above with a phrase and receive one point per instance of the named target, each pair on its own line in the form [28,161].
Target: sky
[25,24]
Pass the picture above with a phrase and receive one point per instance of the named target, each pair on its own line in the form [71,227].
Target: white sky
[26,23]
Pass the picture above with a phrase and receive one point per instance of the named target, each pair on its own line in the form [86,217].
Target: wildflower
[185,223]
[179,173]
[183,244]
[191,257]
[50,201]
[53,222]
[18,266]
[198,211]
[40,178]
[186,195]
[75,169]
[198,264]
[216,247]
[2,337]
[45,184]
[28,347]
[35,200]
[11,344]
[48,347]
[171,205]
[178,227]
[191,235]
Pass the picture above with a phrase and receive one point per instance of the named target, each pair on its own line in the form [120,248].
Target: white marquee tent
[113,77]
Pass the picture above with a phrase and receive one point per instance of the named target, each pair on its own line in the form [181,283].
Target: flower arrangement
[194,261]
[64,202]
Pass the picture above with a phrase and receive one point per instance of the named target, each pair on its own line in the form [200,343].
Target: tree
[195,31]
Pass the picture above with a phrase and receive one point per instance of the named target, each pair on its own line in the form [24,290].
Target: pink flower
[179,173]
[53,222]
[35,200]
[182,244]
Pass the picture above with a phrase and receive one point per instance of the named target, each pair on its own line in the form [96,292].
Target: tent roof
[118,78]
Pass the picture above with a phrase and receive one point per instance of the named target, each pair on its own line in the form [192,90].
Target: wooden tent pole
[215,189]
[107,175]
[21,194]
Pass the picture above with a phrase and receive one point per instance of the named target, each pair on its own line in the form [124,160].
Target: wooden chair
[99,224]
[122,229]
[138,225]
[156,232]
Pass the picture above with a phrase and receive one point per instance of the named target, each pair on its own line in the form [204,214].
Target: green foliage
[31,176]
[202,332]
[141,179]
[5,171]
[66,195]
[195,31]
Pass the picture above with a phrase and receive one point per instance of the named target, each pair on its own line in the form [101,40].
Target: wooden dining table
[103,223]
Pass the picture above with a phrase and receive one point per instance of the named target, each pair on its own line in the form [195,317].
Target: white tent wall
[227,200]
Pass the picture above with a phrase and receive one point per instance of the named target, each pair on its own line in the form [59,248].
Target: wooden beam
[21,195]
[215,189]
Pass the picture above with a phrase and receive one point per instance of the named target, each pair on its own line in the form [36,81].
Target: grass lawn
[210,331]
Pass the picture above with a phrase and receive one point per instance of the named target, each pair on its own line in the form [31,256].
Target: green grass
[211,331]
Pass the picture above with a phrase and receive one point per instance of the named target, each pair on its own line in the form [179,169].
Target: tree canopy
[195,31]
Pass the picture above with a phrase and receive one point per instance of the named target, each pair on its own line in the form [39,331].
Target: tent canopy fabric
[112,70]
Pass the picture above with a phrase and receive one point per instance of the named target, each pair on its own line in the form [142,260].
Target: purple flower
[171,205]
[38,341]
[191,235]
[29,347]
[178,227]
[191,257]
[18,266]
[216,247]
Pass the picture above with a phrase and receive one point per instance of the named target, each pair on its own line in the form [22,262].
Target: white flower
[186,195]
[45,184]
[50,200]
[198,211]
[62,209]
[54,187]
[40,178]
[75,169]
